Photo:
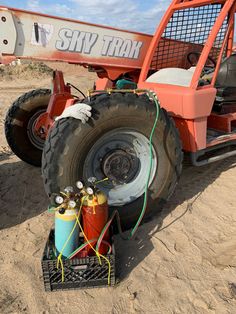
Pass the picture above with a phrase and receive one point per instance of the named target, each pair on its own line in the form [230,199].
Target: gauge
[79,185]
[72,204]
[90,191]
[59,199]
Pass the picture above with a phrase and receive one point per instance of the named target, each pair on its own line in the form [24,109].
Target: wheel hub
[37,138]
[122,155]
[119,166]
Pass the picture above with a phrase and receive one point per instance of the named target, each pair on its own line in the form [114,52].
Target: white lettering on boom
[83,42]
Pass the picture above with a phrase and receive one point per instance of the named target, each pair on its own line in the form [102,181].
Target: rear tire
[19,125]
[70,142]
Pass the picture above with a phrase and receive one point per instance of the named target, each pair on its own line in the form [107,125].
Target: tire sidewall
[16,124]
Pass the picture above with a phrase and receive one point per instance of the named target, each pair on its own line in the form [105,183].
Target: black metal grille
[78,273]
[188,31]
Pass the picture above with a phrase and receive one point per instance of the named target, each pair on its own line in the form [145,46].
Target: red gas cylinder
[95,217]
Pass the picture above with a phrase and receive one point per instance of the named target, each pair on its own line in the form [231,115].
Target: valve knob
[62,211]
[69,189]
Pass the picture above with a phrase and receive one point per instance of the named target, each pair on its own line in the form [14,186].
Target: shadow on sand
[193,182]
[22,194]
[6,155]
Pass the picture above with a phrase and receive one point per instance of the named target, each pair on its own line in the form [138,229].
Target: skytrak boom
[189,63]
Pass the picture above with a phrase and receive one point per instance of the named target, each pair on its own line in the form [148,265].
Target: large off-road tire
[115,144]
[19,125]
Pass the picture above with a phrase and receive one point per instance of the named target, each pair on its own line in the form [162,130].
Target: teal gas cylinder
[64,223]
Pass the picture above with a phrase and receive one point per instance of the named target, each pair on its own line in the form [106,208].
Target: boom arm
[30,35]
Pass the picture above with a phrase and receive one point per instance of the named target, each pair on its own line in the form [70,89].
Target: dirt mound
[25,71]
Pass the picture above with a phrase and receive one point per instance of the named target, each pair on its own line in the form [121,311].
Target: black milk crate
[78,273]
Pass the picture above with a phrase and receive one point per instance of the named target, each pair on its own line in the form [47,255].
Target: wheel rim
[33,136]
[122,155]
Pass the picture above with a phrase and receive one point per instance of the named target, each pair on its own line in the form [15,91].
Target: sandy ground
[183,261]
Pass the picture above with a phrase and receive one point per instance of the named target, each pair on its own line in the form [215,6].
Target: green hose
[154,98]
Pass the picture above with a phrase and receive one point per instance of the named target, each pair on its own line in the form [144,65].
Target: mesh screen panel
[188,31]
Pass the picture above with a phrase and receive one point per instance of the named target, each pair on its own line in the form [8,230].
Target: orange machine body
[191,106]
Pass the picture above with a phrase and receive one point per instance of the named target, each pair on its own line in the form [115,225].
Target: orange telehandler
[189,64]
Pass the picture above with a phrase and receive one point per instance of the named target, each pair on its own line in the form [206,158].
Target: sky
[138,15]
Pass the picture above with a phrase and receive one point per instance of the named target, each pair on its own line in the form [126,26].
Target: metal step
[213,153]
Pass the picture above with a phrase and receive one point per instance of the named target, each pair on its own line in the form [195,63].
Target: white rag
[79,111]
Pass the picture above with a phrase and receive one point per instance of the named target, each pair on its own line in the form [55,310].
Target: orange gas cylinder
[95,217]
